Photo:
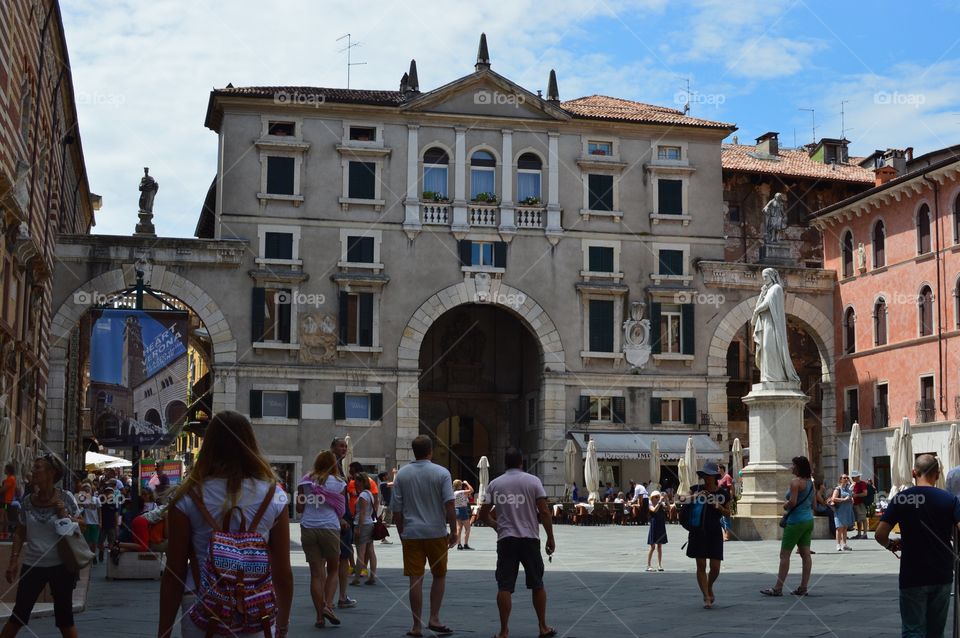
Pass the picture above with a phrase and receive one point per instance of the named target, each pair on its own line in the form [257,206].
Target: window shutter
[280,175]
[283,317]
[339,406]
[655,410]
[376,407]
[256,315]
[500,254]
[619,409]
[601,325]
[688,335]
[344,312]
[366,250]
[670,195]
[353,249]
[293,404]
[655,331]
[365,338]
[362,180]
[256,404]
[583,412]
[466,252]
[690,411]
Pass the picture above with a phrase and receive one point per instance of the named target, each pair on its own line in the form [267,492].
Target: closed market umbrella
[591,473]
[941,478]
[654,465]
[484,467]
[690,456]
[953,447]
[569,465]
[348,455]
[684,476]
[854,453]
[895,463]
[737,466]
[804,443]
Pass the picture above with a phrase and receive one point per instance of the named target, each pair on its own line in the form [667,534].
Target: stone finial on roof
[553,93]
[404,82]
[413,82]
[483,55]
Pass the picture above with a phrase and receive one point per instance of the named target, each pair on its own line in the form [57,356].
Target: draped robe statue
[770,331]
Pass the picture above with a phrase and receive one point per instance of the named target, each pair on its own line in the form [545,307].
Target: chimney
[413,82]
[909,153]
[483,55]
[736,139]
[769,143]
[895,159]
[883,174]
[553,93]
[404,83]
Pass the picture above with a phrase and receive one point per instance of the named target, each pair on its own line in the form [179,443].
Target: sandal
[799,591]
[332,617]
[772,592]
[440,630]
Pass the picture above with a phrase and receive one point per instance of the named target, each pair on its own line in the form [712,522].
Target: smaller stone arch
[494,292]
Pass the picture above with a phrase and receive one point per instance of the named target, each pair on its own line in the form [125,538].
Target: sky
[143,71]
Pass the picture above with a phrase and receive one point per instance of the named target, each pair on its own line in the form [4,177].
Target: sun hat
[709,469]
[655,493]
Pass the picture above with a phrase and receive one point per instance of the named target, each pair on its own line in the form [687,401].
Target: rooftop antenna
[794,137]
[843,128]
[348,48]
[813,120]
[686,105]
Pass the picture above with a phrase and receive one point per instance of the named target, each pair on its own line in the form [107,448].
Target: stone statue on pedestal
[148,190]
[775,219]
[770,332]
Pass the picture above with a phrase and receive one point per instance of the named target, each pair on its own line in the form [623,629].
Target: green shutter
[670,195]
[344,316]
[582,414]
[690,411]
[601,325]
[256,404]
[687,333]
[655,410]
[293,404]
[362,180]
[280,175]
[466,252]
[500,254]
[365,303]
[283,317]
[619,409]
[256,315]
[339,406]
[655,330]
[376,407]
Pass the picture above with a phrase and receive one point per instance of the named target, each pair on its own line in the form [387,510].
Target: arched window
[923,230]
[847,250]
[879,244]
[925,304]
[849,331]
[880,322]
[529,170]
[483,176]
[435,161]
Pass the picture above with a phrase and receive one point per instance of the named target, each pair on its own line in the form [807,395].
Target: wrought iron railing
[926,410]
[881,416]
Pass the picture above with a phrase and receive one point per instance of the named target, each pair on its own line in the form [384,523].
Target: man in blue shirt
[927,516]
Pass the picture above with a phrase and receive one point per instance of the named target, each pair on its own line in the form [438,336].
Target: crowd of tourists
[226,534]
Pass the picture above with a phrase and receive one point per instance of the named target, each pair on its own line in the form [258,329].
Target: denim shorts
[923,610]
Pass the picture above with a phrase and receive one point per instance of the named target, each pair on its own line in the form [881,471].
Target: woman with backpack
[701,516]
[799,505]
[321,502]
[363,523]
[228,517]
[36,539]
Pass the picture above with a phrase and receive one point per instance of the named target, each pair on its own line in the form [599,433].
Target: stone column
[507,223]
[411,204]
[554,226]
[776,423]
[460,222]
[408,413]
[552,433]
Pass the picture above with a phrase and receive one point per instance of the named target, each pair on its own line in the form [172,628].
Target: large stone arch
[515,301]
[68,315]
[551,410]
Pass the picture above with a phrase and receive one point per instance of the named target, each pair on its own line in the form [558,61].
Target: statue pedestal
[776,424]
[778,253]
[145,227]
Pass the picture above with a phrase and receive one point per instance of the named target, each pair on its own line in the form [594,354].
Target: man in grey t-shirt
[519,506]
[422,504]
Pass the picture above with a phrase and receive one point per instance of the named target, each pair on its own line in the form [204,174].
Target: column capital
[460,130]
[553,134]
[413,127]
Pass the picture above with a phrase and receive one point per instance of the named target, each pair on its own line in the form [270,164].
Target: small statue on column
[148,190]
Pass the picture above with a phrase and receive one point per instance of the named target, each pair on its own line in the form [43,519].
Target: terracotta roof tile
[791,162]
[603,107]
[309,94]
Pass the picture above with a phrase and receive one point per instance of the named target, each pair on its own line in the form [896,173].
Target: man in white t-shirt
[514,505]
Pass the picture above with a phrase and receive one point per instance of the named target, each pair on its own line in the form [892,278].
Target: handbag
[74,552]
[786,515]
[379,531]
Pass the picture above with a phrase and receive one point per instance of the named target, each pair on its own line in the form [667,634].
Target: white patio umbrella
[941,478]
[953,447]
[690,456]
[854,453]
[737,466]
[569,466]
[348,455]
[97,461]
[895,463]
[484,467]
[654,465]
[591,473]
[684,476]
[904,479]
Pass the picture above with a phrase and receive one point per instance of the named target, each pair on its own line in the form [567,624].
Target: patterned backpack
[234,583]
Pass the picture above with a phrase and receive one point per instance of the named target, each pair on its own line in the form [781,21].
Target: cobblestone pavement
[597,588]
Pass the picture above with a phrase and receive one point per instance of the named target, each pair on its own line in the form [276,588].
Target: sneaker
[347,603]
[467,547]
[459,546]
[847,548]
[363,571]
[386,542]
[839,548]
[355,581]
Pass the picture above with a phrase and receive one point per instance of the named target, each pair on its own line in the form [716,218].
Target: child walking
[657,536]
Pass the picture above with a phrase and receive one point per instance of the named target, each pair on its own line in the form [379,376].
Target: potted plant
[433,196]
[485,198]
[530,201]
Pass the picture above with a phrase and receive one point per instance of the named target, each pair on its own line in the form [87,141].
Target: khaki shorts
[859,512]
[420,551]
[320,544]
[363,535]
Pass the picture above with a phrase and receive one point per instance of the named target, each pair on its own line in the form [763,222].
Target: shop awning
[636,445]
